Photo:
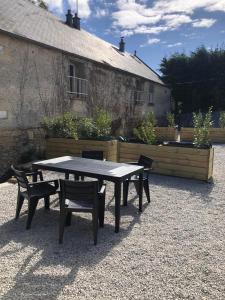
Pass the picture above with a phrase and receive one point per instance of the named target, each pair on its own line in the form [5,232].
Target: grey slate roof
[24,19]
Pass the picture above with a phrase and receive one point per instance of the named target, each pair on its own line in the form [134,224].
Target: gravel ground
[175,249]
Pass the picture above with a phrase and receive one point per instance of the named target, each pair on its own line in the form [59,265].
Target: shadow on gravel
[197,188]
[46,268]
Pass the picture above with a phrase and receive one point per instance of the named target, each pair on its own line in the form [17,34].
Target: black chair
[146,162]
[81,196]
[87,154]
[33,191]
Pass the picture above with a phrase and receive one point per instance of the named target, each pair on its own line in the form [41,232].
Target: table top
[89,167]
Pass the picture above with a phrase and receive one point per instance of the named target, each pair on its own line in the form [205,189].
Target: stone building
[48,66]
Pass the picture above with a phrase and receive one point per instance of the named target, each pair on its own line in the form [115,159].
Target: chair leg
[32,204]
[147,191]
[136,185]
[95,226]
[67,175]
[125,192]
[62,220]
[20,200]
[47,202]
[101,214]
[68,218]
[82,178]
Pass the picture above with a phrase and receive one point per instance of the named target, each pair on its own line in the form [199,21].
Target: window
[77,84]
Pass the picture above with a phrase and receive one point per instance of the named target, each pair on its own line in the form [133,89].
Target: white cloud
[101,13]
[153,41]
[161,15]
[175,45]
[204,23]
[84,7]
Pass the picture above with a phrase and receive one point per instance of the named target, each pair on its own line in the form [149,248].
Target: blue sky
[153,28]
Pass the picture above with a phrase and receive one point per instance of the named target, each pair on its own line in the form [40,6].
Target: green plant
[222,119]
[170,119]
[86,127]
[64,126]
[146,131]
[202,124]
[102,123]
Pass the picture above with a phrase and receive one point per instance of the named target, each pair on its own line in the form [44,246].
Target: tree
[197,80]
[40,3]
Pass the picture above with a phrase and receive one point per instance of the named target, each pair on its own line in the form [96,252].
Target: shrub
[202,124]
[171,119]
[222,119]
[146,131]
[86,128]
[102,123]
[64,126]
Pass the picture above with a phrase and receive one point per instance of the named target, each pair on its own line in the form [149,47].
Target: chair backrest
[78,190]
[145,161]
[93,154]
[21,178]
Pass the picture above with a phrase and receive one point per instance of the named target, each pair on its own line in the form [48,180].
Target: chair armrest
[55,181]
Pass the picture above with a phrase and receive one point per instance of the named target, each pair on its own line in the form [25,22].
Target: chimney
[69,18]
[76,21]
[122,45]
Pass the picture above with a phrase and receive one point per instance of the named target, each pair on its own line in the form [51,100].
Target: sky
[155,29]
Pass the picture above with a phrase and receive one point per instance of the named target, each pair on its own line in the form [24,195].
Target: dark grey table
[103,170]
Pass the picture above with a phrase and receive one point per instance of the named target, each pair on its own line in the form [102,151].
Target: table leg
[140,191]
[117,205]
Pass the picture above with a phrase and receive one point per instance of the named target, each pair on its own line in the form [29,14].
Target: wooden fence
[216,135]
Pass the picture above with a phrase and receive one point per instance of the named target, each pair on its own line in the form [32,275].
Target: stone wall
[18,143]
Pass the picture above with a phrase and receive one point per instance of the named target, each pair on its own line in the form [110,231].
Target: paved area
[175,249]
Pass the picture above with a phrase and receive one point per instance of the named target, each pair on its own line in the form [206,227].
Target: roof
[24,19]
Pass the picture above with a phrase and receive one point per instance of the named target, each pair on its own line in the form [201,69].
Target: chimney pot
[69,18]
[76,22]
[122,45]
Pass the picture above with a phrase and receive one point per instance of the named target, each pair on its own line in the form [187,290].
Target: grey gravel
[175,249]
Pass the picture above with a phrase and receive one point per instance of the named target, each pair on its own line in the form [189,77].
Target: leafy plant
[222,119]
[170,119]
[102,123]
[146,131]
[86,128]
[202,124]
[64,126]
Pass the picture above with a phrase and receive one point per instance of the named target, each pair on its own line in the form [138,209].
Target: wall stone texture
[34,84]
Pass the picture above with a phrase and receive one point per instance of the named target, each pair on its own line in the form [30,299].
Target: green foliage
[86,128]
[146,131]
[102,122]
[197,80]
[64,126]
[40,3]
[202,124]
[222,119]
[171,119]
[97,127]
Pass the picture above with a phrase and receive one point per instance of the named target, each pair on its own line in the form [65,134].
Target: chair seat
[40,190]
[85,205]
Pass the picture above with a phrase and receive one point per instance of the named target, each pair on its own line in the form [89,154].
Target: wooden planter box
[216,135]
[174,161]
[59,147]
[165,133]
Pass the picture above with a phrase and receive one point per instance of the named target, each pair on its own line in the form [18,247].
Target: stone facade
[34,83]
